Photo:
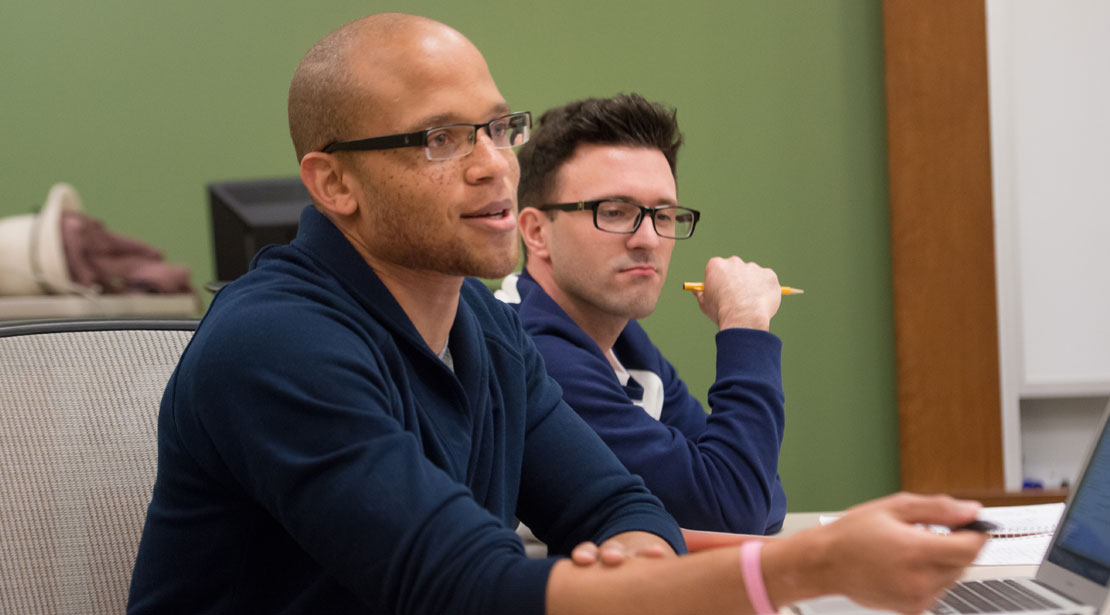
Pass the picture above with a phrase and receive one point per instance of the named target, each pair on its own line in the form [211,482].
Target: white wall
[1050,131]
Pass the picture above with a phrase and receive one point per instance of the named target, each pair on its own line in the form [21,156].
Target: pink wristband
[752,570]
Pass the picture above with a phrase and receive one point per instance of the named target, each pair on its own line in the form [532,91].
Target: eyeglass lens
[622,217]
[457,140]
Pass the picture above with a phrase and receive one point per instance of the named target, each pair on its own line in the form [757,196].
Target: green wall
[139,104]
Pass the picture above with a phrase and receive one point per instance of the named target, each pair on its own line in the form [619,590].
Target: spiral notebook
[1019,521]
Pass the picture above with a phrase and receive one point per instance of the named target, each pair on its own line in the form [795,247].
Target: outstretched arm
[873,554]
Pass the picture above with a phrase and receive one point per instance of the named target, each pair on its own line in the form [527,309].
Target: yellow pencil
[699,286]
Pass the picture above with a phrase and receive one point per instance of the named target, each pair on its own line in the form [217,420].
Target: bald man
[355,427]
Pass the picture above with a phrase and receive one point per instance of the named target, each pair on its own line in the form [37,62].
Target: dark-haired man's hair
[624,119]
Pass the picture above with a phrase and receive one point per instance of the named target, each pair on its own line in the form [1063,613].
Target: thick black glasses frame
[644,212]
[408,139]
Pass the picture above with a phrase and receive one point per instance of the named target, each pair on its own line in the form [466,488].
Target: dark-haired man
[354,426]
[599,219]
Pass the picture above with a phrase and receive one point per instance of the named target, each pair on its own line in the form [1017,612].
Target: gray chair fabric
[78,409]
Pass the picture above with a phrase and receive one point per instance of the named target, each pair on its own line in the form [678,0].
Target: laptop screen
[1083,544]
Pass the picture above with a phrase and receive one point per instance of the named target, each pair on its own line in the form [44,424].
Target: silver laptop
[1073,578]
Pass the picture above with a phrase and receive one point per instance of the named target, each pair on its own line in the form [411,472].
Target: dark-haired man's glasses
[617,216]
[447,142]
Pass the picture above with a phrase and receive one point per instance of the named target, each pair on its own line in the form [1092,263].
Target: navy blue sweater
[314,455]
[714,472]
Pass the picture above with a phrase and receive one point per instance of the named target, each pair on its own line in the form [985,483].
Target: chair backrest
[78,411]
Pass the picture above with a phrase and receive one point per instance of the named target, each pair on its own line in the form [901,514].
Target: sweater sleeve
[573,487]
[716,472]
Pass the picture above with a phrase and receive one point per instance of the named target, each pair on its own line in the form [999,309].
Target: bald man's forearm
[707,582]
[875,554]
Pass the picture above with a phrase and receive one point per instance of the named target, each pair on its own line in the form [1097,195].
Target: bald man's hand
[621,547]
[877,556]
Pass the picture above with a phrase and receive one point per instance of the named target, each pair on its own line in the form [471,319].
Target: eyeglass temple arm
[412,139]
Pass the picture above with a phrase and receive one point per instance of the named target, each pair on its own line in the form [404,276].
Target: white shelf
[1056,435]
[1065,388]
[77,306]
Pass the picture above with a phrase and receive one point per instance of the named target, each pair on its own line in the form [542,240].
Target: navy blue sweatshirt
[715,472]
[315,456]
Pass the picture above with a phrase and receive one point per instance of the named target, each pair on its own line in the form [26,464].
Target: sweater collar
[541,315]
[323,242]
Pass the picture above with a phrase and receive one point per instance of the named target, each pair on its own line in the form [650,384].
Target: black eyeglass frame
[644,212]
[418,138]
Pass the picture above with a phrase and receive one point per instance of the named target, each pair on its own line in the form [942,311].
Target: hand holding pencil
[738,294]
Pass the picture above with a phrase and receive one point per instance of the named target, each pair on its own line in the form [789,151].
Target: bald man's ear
[534,227]
[328,183]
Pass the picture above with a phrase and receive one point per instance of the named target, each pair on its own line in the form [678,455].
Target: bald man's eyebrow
[432,121]
[444,119]
[500,109]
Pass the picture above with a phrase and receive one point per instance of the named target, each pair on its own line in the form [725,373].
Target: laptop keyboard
[993,596]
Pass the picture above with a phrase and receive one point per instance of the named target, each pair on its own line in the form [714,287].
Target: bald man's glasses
[451,141]
[623,217]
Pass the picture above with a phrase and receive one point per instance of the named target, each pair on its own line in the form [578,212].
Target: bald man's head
[326,97]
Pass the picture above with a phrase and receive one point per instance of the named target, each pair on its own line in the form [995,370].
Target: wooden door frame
[942,246]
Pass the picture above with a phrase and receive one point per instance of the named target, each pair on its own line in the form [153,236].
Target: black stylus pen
[977,525]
